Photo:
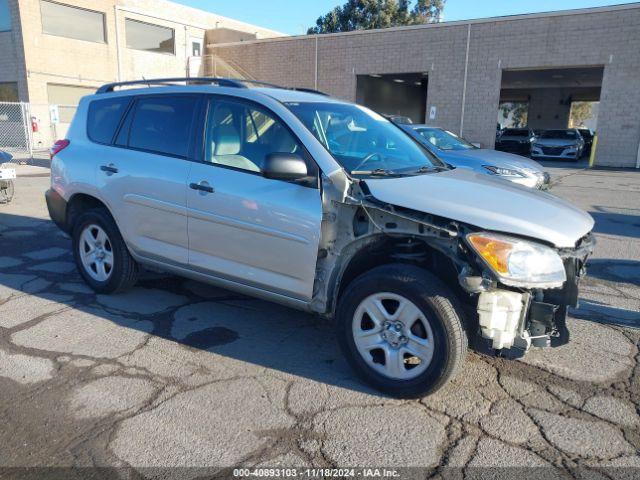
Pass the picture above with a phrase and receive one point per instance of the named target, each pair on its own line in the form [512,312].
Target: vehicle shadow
[35,259]
[613,223]
[614,270]
[598,312]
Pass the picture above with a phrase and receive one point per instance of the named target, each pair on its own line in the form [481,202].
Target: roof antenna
[148,83]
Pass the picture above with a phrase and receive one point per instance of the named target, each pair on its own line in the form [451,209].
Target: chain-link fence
[15,129]
[27,130]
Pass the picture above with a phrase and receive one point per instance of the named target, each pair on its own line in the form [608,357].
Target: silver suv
[321,205]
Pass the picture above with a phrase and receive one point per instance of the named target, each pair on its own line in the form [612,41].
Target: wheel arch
[365,254]
[78,204]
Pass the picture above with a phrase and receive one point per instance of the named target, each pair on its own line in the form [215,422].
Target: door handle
[202,186]
[109,169]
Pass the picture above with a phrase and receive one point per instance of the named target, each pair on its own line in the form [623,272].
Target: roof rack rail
[310,90]
[273,85]
[223,82]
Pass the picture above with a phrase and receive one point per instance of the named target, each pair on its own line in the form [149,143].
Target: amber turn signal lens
[495,252]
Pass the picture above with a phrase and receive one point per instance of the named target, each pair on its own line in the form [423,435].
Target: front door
[144,177]
[242,226]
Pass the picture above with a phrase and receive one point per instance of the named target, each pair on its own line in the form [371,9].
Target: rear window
[104,118]
[163,124]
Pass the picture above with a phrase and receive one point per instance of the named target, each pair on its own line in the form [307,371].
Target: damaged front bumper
[513,320]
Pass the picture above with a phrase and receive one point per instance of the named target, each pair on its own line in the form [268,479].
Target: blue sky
[295,16]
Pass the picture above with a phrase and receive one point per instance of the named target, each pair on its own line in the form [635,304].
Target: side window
[104,117]
[241,136]
[163,124]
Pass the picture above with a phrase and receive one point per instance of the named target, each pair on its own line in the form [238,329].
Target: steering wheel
[371,156]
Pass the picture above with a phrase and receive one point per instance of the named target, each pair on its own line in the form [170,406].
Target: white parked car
[558,144]
[321,205]
[7,176]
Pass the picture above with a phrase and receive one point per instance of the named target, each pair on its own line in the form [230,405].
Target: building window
[67,97]
[148,37]
[72,22]
[5,16]
[196,49]
[9,92]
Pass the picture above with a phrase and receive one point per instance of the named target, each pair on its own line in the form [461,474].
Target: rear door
[143,177]
[243,226]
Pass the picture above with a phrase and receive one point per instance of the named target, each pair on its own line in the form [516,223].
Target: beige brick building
[53,52]
[466,70]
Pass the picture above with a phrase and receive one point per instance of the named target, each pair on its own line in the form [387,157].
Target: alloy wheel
[96,253]
[393,336]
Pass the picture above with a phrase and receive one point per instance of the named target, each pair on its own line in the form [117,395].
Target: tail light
[58,147]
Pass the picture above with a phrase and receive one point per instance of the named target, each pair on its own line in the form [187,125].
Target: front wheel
[399,329]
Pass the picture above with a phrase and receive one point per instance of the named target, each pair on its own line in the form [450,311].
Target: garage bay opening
[396,95]
[550,98]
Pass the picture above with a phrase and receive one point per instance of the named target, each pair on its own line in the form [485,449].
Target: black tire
[124,273]
[436,302]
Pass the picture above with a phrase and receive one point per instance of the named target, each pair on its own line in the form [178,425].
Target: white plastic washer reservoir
[499,313]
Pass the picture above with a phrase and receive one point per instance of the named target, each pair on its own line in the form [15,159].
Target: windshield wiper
[378,172]
[431,168]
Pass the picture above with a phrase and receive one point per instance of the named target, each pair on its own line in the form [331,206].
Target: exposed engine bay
[359,232]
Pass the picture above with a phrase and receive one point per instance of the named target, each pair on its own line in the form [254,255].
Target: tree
[426,11]
[580,113]
[369,14]
[514,114]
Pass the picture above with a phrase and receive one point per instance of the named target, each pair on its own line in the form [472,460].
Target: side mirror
[284,166]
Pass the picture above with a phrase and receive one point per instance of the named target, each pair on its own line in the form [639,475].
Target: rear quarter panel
[73,170]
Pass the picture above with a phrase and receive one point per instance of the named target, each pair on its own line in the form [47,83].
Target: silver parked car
[561,144]
[321,205]
[459,153]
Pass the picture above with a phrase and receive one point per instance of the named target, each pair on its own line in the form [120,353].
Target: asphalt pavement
[176,376]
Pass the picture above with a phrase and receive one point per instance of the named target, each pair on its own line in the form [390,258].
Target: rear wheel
[400,331]
[101,256]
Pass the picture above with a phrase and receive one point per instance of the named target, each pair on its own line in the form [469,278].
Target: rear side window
[104,117]
[163,124]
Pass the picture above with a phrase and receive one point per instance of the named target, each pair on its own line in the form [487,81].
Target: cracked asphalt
[177,373]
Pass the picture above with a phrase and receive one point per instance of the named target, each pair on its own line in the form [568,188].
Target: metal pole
[115,16]
[464,85]
[26,123]
[186,52]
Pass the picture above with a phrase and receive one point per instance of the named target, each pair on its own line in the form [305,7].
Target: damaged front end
[514,318]
[513,312]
